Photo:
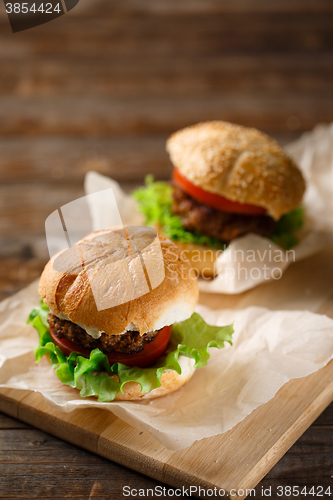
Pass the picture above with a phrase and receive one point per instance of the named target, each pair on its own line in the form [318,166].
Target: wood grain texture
[197,6]
[12,424]
[241,457]
[133,70]
[66,160]
[101,88]
[196,32]
[174,74]
[82,475]
[94,116]
[237,459]
[162,7]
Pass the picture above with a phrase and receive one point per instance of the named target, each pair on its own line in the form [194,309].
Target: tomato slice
[150,353]
[214,200]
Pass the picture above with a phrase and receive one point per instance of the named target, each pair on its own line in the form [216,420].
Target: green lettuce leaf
[94,376]
[38,318]
[287,227]
[155,200]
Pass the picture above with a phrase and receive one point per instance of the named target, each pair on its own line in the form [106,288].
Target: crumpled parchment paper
[253,259]
[269,349]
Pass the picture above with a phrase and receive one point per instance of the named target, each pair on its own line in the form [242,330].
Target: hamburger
[227,181]
[139,349]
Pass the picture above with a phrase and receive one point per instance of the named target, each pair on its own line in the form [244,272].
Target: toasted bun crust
[241,164]
[202,258]
[70,293]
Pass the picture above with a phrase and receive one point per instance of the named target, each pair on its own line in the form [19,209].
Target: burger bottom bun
[170,381]
[202,258]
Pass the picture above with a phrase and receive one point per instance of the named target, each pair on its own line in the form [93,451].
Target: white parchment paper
[269,349]
[252,259]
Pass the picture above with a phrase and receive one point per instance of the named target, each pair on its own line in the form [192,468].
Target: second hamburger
[227,181]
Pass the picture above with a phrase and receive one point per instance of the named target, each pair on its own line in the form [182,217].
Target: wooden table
[101,89]
[36,465]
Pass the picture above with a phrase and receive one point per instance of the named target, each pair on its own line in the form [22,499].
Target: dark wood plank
[34,464]
[64,159]
[193,66]
[24,209]
[198,34]
[162,7]
[299,460]
[23,248]
[198,6]
[36,447]
[11,423]
[88,481]
[54,160]
[143,73]
[97,116]
[23,214]
[326,418]
[17,272]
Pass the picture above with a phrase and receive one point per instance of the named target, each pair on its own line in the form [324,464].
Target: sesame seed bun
[69,292]
[239,163]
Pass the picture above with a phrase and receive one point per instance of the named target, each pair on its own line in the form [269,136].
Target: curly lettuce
[155,200]
[94,376]
[285,234]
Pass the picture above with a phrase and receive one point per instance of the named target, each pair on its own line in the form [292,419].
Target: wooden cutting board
[236,460]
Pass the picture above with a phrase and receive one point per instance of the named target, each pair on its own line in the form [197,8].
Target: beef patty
[220,225]
[129,342]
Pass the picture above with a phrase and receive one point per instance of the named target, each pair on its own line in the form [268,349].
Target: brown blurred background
[102,87]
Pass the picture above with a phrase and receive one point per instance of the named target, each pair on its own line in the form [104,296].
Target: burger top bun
[239,163]
[66,288]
